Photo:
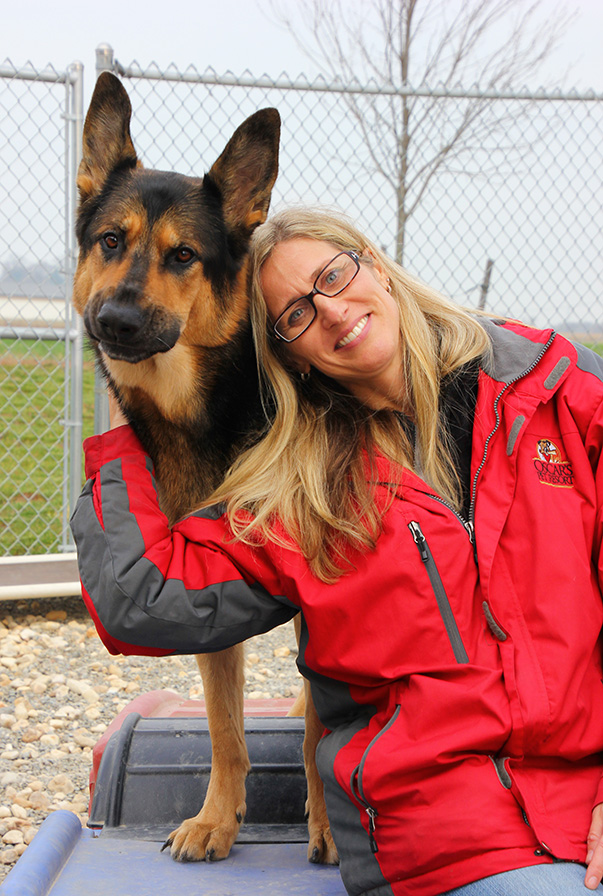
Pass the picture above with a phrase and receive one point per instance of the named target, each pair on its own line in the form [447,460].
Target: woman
[430,496]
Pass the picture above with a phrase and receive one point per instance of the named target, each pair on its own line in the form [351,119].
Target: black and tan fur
[161,284]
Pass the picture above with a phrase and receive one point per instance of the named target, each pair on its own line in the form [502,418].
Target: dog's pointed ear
[246,171]
[106,143]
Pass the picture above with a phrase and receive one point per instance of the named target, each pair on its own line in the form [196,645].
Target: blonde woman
[429,495]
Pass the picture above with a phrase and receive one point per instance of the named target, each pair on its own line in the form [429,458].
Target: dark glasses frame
[309,298]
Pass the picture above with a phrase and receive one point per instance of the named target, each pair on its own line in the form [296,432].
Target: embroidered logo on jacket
[550,466]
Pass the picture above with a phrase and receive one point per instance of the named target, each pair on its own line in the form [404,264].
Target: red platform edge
[169,704]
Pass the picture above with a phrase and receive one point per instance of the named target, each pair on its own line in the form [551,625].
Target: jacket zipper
[520,376]
[499,762]
[457,646]
[439,591]
[356,782]
[469,524]
[466,524]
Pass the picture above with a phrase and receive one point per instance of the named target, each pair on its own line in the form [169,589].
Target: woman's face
[355,337]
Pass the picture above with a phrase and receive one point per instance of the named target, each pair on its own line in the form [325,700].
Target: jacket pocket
[357,785]
[439,591]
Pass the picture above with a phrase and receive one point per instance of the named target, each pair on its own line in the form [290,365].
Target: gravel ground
[59,689]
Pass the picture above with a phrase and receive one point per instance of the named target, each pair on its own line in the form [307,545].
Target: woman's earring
[304,376]
[389,285]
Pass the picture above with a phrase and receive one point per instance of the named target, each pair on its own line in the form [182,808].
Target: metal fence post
[74,346]
[105,62]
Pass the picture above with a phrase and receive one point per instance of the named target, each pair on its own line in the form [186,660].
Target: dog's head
[162,256]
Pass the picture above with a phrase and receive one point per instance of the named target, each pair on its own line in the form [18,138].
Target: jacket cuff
[112,644]
[111,445]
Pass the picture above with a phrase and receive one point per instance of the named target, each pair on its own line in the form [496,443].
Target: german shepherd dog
[161,284]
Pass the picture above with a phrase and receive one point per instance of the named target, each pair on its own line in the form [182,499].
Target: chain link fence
[518,196]
[40,362]
[508,215]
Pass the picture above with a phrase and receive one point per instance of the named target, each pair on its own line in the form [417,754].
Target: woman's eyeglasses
[333,279]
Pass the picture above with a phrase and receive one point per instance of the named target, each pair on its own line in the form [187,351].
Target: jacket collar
[516,353]
[516,349]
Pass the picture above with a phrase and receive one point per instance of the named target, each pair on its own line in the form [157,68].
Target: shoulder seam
[589,361]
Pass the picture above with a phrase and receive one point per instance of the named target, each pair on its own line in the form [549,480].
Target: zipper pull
[419,540]
[372,816]
[468,524]
[470,527]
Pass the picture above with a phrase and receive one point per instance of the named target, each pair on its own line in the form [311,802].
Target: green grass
[31,443]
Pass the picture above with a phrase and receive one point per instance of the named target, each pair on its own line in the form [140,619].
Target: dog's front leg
[211,833]
[321,848]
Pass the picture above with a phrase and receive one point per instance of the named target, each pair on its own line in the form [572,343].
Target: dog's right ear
[107,143]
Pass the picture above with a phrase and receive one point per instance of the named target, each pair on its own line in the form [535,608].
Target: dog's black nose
[119,323]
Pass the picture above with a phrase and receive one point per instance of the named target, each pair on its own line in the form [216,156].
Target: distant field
[31,443]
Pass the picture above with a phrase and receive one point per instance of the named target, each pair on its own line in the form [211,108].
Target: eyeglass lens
[336,276]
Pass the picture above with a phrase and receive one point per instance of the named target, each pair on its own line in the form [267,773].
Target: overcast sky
[226,35]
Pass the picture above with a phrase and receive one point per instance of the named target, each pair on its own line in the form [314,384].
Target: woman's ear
[376,267]
[293,364]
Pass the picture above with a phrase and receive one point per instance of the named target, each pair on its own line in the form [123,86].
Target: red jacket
[458,669]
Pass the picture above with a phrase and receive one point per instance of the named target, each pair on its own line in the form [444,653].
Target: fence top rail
[320,84]
[47,75]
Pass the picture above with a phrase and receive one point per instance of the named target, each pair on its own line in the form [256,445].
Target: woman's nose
[331,309]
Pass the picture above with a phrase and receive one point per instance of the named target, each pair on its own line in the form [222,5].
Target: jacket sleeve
[154,590]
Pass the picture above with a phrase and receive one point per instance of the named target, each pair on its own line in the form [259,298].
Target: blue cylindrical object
[42,861]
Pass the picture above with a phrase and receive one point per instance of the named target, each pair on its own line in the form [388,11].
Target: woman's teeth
[353,333]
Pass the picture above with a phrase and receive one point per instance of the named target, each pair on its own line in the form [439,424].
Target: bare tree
[409,47]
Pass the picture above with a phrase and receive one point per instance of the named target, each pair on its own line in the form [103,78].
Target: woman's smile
[353,334]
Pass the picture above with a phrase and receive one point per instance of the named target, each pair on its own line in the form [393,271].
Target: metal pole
[74,342]
[66,421]
[485,284]
[105,62]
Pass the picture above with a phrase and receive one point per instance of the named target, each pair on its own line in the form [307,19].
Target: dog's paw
[321,848]
[201,839]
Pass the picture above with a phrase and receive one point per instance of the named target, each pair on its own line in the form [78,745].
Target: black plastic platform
[154,773]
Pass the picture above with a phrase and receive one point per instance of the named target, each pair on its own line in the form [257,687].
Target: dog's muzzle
[129,333]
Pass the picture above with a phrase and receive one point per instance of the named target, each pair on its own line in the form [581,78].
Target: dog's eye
[110,240]
[184,255]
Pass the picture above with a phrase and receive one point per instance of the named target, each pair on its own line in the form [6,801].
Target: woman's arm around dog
[152,589]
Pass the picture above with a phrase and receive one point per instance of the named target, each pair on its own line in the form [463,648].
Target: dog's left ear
[246,171]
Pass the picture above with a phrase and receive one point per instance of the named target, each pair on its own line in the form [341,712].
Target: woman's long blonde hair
[313,469]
